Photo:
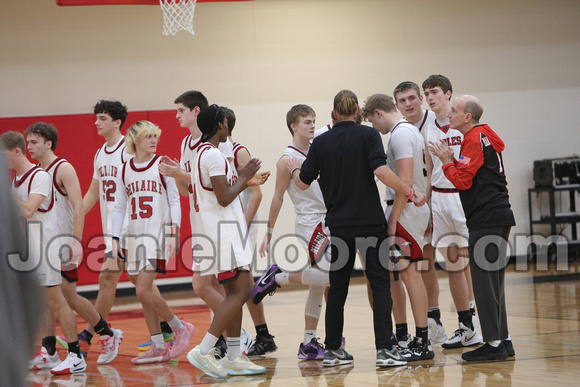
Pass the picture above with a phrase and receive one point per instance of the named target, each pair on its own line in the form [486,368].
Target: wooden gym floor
[543,313]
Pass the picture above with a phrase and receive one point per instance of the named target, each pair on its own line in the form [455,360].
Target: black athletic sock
[465,317]
[165,328]
[74,348]
[103,329]
[401,330]
[435,314]
[262,330]
[88,335]
[49,342]
[422,333]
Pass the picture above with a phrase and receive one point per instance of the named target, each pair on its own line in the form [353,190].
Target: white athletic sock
[207,343]
[309,334]
[157,341]
[494,343]
[472,304]
[176,323]
[282,278]
[233,347]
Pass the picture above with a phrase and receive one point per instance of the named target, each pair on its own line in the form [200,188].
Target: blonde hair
[378,101]
[137,132]
[345,104]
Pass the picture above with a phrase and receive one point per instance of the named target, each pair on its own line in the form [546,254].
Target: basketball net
[177,15]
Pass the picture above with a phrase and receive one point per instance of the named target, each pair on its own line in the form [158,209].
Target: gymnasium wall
[260,57]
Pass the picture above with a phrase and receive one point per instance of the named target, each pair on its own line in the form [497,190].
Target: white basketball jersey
[63,210]
[42,223]
[148,206]
[107,165]
[245,195]
[309,201]
[189,148]
[406,142]
[220,233]
[322,130]
[428,119]
[441,131]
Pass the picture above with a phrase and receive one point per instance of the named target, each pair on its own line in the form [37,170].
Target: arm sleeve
[462,171]
[376,156]
[310,169]
[174,202]
[120,205]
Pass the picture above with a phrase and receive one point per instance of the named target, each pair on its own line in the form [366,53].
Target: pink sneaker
[153,355]
[181,339]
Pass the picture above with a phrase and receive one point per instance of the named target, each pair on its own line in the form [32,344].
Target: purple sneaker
[311,351]
[266,284]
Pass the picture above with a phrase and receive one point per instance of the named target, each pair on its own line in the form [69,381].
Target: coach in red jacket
[479,176]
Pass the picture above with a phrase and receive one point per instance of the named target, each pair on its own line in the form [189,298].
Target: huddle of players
[380,111]
[418,229]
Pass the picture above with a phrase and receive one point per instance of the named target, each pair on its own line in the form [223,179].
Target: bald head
[471,105]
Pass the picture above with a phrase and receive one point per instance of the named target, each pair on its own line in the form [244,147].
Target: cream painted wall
[521,57]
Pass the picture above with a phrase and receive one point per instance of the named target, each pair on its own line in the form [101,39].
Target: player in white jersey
[219,228]
[32,188]
[152,202]
[188,105]
[42,140]
[310,230]
[405,157]
[408,100]
[109,118]
[250,198]
[450,233]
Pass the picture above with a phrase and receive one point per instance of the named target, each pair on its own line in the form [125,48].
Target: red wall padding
[77,142]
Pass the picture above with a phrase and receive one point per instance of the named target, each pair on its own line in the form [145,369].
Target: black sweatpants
[487,260]
[345,243]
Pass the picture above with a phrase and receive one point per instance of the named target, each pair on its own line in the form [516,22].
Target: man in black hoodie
[479,175]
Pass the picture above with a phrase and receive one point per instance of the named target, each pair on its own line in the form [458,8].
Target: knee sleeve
[313,276]
[313,305]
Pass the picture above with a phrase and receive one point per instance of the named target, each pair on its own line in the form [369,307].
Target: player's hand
[259,178]
[441,150]
[169,167]
[265,246]
[249,170]
[293,164]
[419,199]
[117,251]
[77,251]
[171,247]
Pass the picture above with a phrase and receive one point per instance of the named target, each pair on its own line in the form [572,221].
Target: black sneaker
[509,348]
[486,352]
[221,347]
[336,357]
[262,345]
[417,350]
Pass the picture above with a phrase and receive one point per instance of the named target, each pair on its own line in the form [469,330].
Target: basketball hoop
[177,15]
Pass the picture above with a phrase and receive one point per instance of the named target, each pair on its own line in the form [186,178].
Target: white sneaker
[436,332]
[110,346]
[404,343]
[206,363]
[241,365]
[463,337]
[42,360]
[246,341]
[73,364]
